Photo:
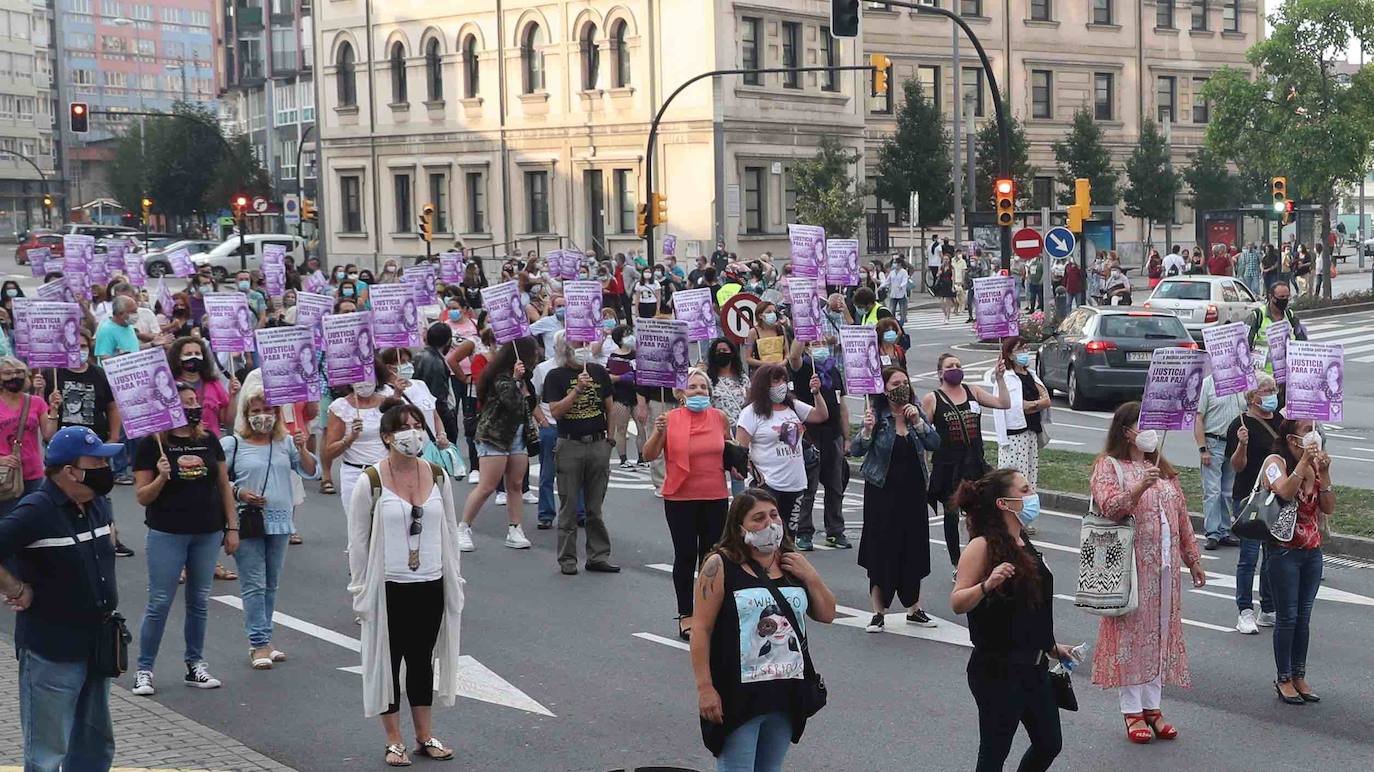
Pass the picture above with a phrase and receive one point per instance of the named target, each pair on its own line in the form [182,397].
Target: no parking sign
[737,316]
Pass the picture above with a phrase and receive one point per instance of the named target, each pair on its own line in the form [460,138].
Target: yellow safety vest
[871,318]
[726,292]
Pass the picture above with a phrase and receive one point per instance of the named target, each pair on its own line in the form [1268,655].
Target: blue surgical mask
[1030,509]
[405,371]
[243,285]
[1022,358]
[1269,403]
[698,402]
[454,314]
[347,292]
[820,355]
[85,356]
[770,318]
[560,313]
[608,324]
[890,336]
[628,341]
[12,292]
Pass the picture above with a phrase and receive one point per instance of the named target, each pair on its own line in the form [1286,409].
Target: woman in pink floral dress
[1139,652]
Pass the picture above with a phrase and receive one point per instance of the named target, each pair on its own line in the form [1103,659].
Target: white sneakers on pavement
[465,538]
[1265,619]
[530,497]
[1245,624]
[515,538]
[473,477]
[500,498]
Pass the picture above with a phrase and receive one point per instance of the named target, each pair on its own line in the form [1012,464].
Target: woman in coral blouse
[1138,653]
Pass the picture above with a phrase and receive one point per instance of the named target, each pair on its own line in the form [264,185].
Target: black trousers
[695,527]
[414,611]
[1008,695]
[468,404]
[787,508]
[832,474]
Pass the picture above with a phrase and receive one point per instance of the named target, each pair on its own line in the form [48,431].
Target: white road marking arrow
[475,680]
[1059,244]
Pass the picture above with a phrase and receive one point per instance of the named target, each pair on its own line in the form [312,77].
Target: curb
[1334,543]
[1352,308]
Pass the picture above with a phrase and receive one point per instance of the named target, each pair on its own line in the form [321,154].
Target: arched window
[591,57]
[620,55]
[434,72]
[532,59]
[471,81]
[398,73]
[346,77]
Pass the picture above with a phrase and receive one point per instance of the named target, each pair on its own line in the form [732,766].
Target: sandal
[277,656]
[295,538]
[433,749]
[1140,735]
[260,661]
[327,487]
[1155,719]
[396,756]
[225,574]
[685,633]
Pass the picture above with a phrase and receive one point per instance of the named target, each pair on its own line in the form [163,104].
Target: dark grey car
[1100,353]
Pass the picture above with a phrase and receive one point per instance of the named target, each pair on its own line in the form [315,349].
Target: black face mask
[1281,303]
[192,365]
[100,481]
[721,358]
[13,385]
[192,416]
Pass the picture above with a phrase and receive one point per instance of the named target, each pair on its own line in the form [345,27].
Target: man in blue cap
[59,538]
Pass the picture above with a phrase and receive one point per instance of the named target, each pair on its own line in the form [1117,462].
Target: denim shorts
[517,447]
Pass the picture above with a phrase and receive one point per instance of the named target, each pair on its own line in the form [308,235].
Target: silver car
[1203,301]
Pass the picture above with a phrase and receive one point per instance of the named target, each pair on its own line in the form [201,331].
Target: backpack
[1257,318]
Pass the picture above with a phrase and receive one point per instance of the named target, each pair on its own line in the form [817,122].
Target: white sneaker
[1245,624]
[515,538]
[465,538]
[530,497]
[474,477]
[143,683]
[500,499]
[1265,619]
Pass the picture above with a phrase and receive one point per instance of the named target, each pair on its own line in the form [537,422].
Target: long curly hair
[761,383]
[983,518]
[731,545]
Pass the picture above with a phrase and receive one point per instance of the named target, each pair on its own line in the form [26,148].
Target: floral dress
[1132,649]
[728,396]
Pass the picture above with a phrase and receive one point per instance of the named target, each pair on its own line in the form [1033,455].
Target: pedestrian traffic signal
[308,212]
[882,65]
[147,204]
[1004,195]
[427,222]
[80,118]
[1279,186]
[642,221]
[659,211]
[1082,207]
[844,18]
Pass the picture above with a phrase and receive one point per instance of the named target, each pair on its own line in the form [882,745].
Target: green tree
[1294,117]
[1211,184]
[986,162]
[917,158]
[1082,154]
[827,194]
[1151,183]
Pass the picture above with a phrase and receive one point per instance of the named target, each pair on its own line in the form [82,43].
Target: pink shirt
[213,397]
[30,451]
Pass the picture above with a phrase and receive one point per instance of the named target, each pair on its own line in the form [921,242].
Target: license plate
[1137,356]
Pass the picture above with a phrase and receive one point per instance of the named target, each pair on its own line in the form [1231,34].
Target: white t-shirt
[368,448]
[775,445]
[644,293]
[935,255]
[541,371]
[419,395]
[395,512]
[897,283]
[1174,264]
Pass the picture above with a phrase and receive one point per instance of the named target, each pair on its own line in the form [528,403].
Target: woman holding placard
[22,413]
[770,427]
[352,433]
[192,364]
[1020,425]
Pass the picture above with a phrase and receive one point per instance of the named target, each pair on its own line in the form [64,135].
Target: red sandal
[1155,719]
[1140,736]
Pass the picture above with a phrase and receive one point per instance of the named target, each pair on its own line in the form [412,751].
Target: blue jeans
[1245,577]
[125,458]
[167,554]
[758,745]
[548,504]
[1218,508]
[899,307]
[1295,576]
[65,714]
[260,562]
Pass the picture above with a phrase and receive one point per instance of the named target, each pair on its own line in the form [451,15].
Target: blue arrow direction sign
[1059,242]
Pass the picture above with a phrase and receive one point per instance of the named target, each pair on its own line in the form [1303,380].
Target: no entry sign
[1027,242]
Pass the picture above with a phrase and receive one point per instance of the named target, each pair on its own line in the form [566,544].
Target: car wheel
[157,269]
[219,273]
[1077,399]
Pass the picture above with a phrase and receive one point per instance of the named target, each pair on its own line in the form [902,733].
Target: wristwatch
[1202,448]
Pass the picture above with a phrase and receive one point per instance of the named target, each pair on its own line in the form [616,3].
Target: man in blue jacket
[58,542]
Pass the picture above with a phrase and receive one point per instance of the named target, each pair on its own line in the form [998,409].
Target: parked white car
[155,262]
[1203,301]
[235,255]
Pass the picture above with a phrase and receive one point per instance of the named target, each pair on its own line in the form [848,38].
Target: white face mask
[263,423]
[777,392]
[408,442]
[405,371]
[1312,440]
[1147,441]
[364,389]
[582,355]
[765,540]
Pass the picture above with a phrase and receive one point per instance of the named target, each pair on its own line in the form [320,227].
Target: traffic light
[1004,195]
[1082,207]
[642,221]
[659,213]
[427,222]
[1279,186]
[47,201]
[80,118]
[881,65]
[308,212]
[147,204]
[1287,212]
[844,18]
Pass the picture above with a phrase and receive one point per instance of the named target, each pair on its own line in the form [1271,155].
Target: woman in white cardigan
[405,580]
[1019,427]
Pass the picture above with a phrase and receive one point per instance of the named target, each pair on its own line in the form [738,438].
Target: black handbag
[736,457]
[1266,517]
[1062,686]
[252,520]
[111,656]
[811,694]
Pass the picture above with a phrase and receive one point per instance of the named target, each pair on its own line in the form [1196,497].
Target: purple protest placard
[583,316]
[79,246]
[311,308]
[348,349]
[553,262]
[506,313]
[55,291]
[1233,371]
[316,282]
[274,254]
[1316,381]
[38,261]
[163,296]
[422,282]
[862,372]
[274,276]
[180,260]
[451,267]
[842,262]
[115,253]
[394,320]
[98,272]
[229,321]
[694,307]
[76,274]
[1172,389]
[808,249]
[145,392]
[661,354]
[1276,337]
[670,245]
[134,269]
[996,311]
[53,334]
[20,313]
[805,308]
[287,358]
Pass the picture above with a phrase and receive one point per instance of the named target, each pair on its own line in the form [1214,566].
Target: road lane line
[311,629]
[1194,623]
[665,641]
[1223,596]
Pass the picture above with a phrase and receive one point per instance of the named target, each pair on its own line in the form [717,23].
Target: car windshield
[1128,326]
[1184,290]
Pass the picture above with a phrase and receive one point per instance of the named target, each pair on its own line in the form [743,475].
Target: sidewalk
[147,735]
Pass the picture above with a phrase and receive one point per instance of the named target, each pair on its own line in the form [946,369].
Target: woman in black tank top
[953,411]
[1006,589]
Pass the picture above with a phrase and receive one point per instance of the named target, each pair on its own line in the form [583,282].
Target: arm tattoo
[708,574]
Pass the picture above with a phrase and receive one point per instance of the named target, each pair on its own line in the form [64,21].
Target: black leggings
[1008,695]
[952,515]
[413,613]
[787,508]
[695,527]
